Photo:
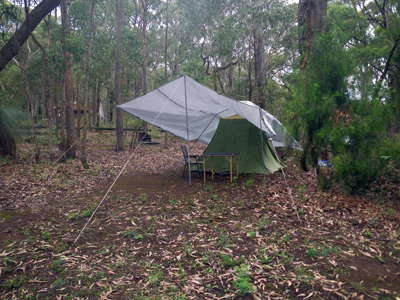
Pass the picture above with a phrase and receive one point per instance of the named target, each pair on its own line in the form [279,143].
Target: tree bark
[311,19]
[119,120]
[166,42]
[145,45]
[11,48]
[70,136]
[259,73]
[249,77]
[394,86]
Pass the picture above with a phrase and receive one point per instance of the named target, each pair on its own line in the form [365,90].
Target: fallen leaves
[158,237]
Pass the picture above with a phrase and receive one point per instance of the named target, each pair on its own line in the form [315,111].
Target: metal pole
[187,131]
[261,133]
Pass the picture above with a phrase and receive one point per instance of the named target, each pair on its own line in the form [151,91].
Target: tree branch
[11,48]
[386,69]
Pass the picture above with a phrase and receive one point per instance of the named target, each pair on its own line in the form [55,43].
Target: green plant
[215,197]
[173,201]
[368,233]
[265,259]
[4,160]
[223,240]
[318,251]
[249,182]
[303,275]
[144,198]
[45,235]
[85,213]
[58,283]
[242,281]
[209,187]
[313,252]
[10,124]
[263,223]
[188,249]
[251,234]
[285,257]
[155,277]
[390,211]
[286,238]
[57,265]
[14,283]
[133,235]
[358,146]
[229,262]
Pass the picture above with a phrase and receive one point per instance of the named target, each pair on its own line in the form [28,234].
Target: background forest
[330,70]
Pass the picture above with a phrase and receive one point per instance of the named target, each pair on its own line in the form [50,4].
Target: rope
[290,195]
[106,194]
[115,180]
[62,155]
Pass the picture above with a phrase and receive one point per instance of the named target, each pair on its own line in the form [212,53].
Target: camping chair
[195,162]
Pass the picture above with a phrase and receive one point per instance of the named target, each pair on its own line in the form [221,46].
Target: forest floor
[156,237]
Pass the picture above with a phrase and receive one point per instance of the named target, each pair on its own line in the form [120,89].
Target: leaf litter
[156,237]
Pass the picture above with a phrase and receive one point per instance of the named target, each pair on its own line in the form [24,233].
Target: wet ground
[156,237]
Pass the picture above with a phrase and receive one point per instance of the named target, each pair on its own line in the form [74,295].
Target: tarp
[256,154]
[192,111]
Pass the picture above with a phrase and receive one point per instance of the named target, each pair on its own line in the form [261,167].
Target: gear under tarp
[192,111]
[256,154]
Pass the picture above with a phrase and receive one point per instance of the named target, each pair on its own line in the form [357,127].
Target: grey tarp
[192,111]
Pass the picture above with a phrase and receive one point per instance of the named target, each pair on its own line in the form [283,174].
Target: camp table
[233,157]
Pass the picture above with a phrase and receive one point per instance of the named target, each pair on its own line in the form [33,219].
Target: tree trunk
[11,48]
[259,68]
[394,85]
[86,93]
[311,20]
[145,49]
[70,136]
[249,78]
[166,42]
[119,120]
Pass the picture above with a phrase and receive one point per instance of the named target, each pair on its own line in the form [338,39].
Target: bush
[10,120]
[358,144]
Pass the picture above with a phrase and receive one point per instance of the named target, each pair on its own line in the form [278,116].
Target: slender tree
[11,48]
[311,20]
[117,79]
[69,145]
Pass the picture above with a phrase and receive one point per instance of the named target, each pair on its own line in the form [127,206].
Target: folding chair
[195,162]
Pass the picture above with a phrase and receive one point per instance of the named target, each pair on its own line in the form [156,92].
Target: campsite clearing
[158,238]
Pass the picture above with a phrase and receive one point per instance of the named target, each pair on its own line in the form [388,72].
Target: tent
[237,135]
[192,111]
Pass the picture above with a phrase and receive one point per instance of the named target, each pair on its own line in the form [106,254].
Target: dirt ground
[156,237]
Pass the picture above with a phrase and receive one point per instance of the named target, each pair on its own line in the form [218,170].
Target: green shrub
[242,281]
[358,144]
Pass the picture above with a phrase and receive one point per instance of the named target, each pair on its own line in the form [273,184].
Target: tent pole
[261,133]
[187,132]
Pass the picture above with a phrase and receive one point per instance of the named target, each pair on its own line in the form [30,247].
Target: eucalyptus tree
[33,18]
[384,16]
[118,100]
[69,143]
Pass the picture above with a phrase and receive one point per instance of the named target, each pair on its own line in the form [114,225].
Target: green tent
[237,135]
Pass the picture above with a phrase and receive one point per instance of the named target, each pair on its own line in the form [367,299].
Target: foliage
[319,91]
[10,130]
[196,250]
[358,145]
[242,281]
[213,41]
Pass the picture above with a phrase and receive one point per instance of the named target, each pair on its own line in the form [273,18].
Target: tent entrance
[237,135]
